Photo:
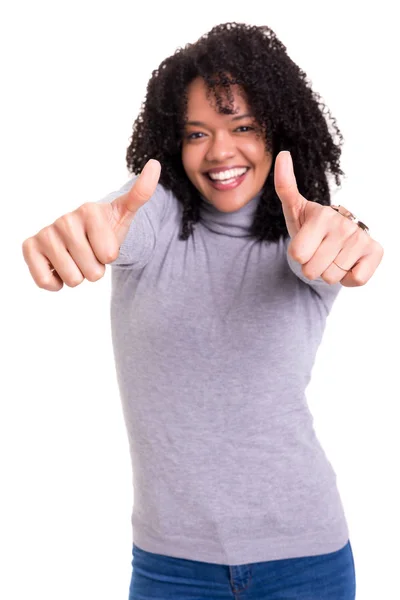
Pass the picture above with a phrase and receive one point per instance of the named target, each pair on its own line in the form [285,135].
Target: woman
[225,266]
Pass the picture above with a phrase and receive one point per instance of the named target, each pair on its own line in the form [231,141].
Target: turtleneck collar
[233,224]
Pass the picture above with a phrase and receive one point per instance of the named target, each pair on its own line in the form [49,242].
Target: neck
[233,224]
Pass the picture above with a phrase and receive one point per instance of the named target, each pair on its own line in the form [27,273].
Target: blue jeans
[324,577]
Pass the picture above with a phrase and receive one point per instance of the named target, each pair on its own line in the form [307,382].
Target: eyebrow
[201,124]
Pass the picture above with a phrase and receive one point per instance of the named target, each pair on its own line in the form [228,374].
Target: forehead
[202,102]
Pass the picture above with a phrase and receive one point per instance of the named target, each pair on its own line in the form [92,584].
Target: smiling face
[225,148]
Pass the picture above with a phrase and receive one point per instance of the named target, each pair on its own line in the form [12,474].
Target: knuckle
[95,274]
[74,280]
[380,250]
[346,227]
[359,279]
[308,273]
[26,248]
[353,228]
[360,235]
[297,254]
[111,255]
[44,282]
[26,243]
[47,235]
[65,224]
[329,278]
[86,209]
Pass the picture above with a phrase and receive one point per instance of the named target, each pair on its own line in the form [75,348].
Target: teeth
[231,174]
[227,181]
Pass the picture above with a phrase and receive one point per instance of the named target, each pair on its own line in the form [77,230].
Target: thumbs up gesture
[322,238]
[79,244]
[126,206]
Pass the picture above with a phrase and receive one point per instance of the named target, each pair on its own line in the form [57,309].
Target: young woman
[225,266]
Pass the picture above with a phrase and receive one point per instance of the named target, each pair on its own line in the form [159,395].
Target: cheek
[189,160]
[264,158]
[255,152]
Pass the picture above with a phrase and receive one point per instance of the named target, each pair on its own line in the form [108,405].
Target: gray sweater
[214,341]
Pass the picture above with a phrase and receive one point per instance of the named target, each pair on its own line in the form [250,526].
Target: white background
[73,76]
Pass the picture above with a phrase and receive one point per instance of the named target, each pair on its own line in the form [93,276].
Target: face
[221,154]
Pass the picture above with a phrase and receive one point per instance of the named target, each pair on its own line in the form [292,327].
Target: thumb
[293,203]
[126,206]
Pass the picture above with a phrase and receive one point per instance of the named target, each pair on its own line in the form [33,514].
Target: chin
[232,207]
[228,204]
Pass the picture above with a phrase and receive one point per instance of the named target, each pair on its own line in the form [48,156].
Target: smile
[227,180]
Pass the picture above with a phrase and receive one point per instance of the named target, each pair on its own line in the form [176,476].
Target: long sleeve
[137,247]
[214,344]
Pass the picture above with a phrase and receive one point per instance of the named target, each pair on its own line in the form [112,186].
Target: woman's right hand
[79,244]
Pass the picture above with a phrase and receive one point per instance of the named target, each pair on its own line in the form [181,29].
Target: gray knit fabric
[214,341]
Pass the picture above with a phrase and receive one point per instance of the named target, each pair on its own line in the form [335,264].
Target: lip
[220,169]
[225,187]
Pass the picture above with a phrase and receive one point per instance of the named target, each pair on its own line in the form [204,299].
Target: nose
[221,148]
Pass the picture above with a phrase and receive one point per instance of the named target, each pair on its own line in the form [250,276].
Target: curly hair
[290,114]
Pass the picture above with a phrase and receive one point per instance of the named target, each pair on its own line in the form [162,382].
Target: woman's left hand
[321,235]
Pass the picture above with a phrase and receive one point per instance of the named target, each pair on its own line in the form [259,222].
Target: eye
[196,134]
[245,127]
[190,136]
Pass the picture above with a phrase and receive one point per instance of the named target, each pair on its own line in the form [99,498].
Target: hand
[79,244]
[321,235]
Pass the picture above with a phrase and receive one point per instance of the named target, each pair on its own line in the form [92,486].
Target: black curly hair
[290,114]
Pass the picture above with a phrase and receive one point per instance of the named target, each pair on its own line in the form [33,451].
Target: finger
[101,237]
[308,239]
[126,206]
[343,248]
[71,228]
[53,248]
[356,245]
[362,264]
[361,272]
[40,267]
